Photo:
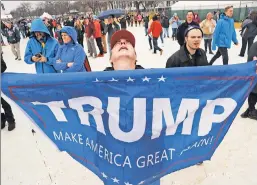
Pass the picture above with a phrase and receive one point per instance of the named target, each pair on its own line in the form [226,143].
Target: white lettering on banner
[202,142]
[139,123]
[208,117]
[77,104]
[104,153]
[150,160]
[115,158]
[68,137]
[55,107]
[162,107]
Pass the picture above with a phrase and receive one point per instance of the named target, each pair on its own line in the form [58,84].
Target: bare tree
[111,3]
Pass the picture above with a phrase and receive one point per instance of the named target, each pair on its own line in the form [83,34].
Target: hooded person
[41,48]
[70,56]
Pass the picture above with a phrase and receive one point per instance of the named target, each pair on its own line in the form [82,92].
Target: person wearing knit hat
[190,54]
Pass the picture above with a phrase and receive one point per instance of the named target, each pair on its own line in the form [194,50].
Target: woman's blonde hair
[78,25]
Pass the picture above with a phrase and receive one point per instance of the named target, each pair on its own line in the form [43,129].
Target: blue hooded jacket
[34,47]
[70,52]
[224,33]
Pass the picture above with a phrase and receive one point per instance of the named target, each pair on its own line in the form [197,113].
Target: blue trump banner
[133,127]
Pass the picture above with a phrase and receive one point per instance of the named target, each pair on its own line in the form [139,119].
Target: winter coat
[69,23]
[181,31]
[123,23]
[146,21]
[224,33]
[70,52]
[197,19]
[165,22]
[253,52]
[13,35]
[48,49]
[3,64]
[208,26]
[90,29]
[181,58]
[155,29]
[80,32]
[112,69]
[175,22]
[102,24]
[97,29]
[249,31]
[111,29]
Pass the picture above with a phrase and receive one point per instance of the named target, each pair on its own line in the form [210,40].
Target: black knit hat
[192,28]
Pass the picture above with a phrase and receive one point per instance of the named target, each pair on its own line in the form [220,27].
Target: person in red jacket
[155,30]
[90,32]
[98,36]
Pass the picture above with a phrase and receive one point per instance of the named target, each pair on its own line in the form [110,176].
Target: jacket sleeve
[151,28]
[180,36]
[106,28]
[234,39]
[171,62]
[3,65]
[78,62]
[28,54]
[50,60]
[93,28]
[17,34]
[117,27]
[215,36]
[59,65]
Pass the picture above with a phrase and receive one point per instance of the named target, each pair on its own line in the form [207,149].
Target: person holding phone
[41,48]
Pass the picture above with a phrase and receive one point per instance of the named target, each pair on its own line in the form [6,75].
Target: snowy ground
[33,160]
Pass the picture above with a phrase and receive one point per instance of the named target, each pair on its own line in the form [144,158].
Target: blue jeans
[146,31]
[161,37]
[174,32]
[166,32]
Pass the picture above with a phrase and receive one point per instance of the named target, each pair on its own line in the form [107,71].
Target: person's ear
[186,39]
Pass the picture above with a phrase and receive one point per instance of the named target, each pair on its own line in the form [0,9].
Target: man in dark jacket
[251,112]
[69,22]
[123,23]
[190,54]
[184,26]
[249,32]
[146,22]
[13,38]
[111,28]
[7,115]
[165,25]
[102,24]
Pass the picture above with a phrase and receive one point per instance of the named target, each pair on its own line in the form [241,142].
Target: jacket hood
[71,32]
[38,25]
[223,16]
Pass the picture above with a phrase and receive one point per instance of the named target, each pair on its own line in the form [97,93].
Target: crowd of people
[57,46]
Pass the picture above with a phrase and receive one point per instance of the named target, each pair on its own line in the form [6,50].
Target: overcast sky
[10,5]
